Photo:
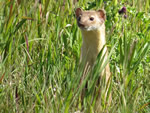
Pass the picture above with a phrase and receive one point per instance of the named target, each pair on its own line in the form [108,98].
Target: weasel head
[90,20]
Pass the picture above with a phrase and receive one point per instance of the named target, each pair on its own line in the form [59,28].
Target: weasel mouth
[81,25]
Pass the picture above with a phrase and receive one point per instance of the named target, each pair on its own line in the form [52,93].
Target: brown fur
[91,24]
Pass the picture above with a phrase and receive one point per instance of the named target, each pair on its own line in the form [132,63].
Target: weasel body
[92,26]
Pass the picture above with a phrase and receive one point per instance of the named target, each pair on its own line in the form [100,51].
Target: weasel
[92,26]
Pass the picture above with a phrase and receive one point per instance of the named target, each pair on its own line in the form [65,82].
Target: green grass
[40,51]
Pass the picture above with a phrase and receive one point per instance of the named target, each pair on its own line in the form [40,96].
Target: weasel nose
[79,18]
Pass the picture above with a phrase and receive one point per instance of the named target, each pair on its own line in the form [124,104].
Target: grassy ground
[40,50]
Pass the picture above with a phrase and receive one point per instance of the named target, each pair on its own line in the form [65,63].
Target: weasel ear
[78,12]
[102,14]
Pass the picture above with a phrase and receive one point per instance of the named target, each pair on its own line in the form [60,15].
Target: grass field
[40,50]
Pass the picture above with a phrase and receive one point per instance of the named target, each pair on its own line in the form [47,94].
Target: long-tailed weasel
[92,26]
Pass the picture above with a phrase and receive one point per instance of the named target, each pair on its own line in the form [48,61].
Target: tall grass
[40,51]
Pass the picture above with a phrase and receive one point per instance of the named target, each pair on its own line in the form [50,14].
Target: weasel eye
[91,18]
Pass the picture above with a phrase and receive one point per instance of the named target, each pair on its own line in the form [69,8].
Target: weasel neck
[94,39]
